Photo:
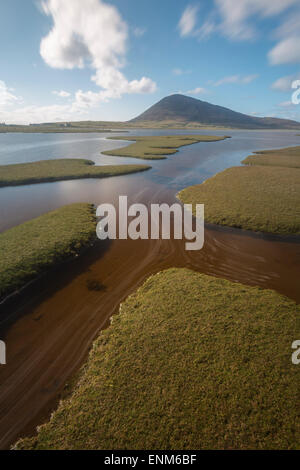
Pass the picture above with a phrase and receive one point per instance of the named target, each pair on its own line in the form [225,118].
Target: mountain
[185,110]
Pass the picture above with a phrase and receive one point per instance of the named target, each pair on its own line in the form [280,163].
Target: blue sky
[110,60]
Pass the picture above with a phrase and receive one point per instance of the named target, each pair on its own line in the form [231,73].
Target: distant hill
[184,110]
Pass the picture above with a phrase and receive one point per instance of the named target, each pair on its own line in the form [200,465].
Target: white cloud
[6,95]
[236,16]
[286,104]
[237,21]
[139,32]
[36,114]
[286,51]
[62,94]
[188,21]
[249,78]
[79,108]
[197,91]
[180,72]
[208,27]
[91,33]
[232,18]
[284,83]
[288,48]
[236,79]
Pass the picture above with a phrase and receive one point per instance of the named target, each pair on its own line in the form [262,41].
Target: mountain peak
[185,109]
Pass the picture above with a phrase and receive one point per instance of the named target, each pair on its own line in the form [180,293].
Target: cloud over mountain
[91,33]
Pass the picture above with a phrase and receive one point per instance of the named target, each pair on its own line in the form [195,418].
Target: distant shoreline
[12,129]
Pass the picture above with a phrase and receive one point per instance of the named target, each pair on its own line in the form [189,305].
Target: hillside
[184,109]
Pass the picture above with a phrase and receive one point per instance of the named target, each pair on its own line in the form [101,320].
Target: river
[49,329]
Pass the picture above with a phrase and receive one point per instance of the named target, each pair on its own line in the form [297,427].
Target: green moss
[157,147]
[287,157]
[32,248]
[58,170]
[191,362]
[255,198]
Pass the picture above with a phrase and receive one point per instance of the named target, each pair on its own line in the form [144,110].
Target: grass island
[46,171]
[157,147]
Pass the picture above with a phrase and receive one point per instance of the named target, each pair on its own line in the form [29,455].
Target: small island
[47,171]
[157,147]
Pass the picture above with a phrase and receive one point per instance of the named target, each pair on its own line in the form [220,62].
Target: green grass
[32,248]
[257,198]
[264,196]
[191,362]
[157,147]
[286,157]
[58,170]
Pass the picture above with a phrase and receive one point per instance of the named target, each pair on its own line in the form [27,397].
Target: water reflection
[191,165]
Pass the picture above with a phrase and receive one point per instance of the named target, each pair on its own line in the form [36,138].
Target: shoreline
[261,195]
[128,128]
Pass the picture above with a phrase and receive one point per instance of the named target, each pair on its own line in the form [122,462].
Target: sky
[63,60]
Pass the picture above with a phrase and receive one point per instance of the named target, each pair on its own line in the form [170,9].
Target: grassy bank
[264,196]
[157,147]
[257,198]
[286,157]
[30,249]
[58,170]
[191,362]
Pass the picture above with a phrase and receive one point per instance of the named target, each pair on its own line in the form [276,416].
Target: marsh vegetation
[58,170]
[191,362]
[30,249]
[262,196]
[157,147]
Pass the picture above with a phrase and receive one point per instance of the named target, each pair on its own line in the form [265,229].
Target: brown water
[50,328]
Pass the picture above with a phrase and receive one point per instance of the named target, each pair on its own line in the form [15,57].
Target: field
[191,362]
[58,170]
[30,249]
[287,157]
[157,147]
[263,196]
